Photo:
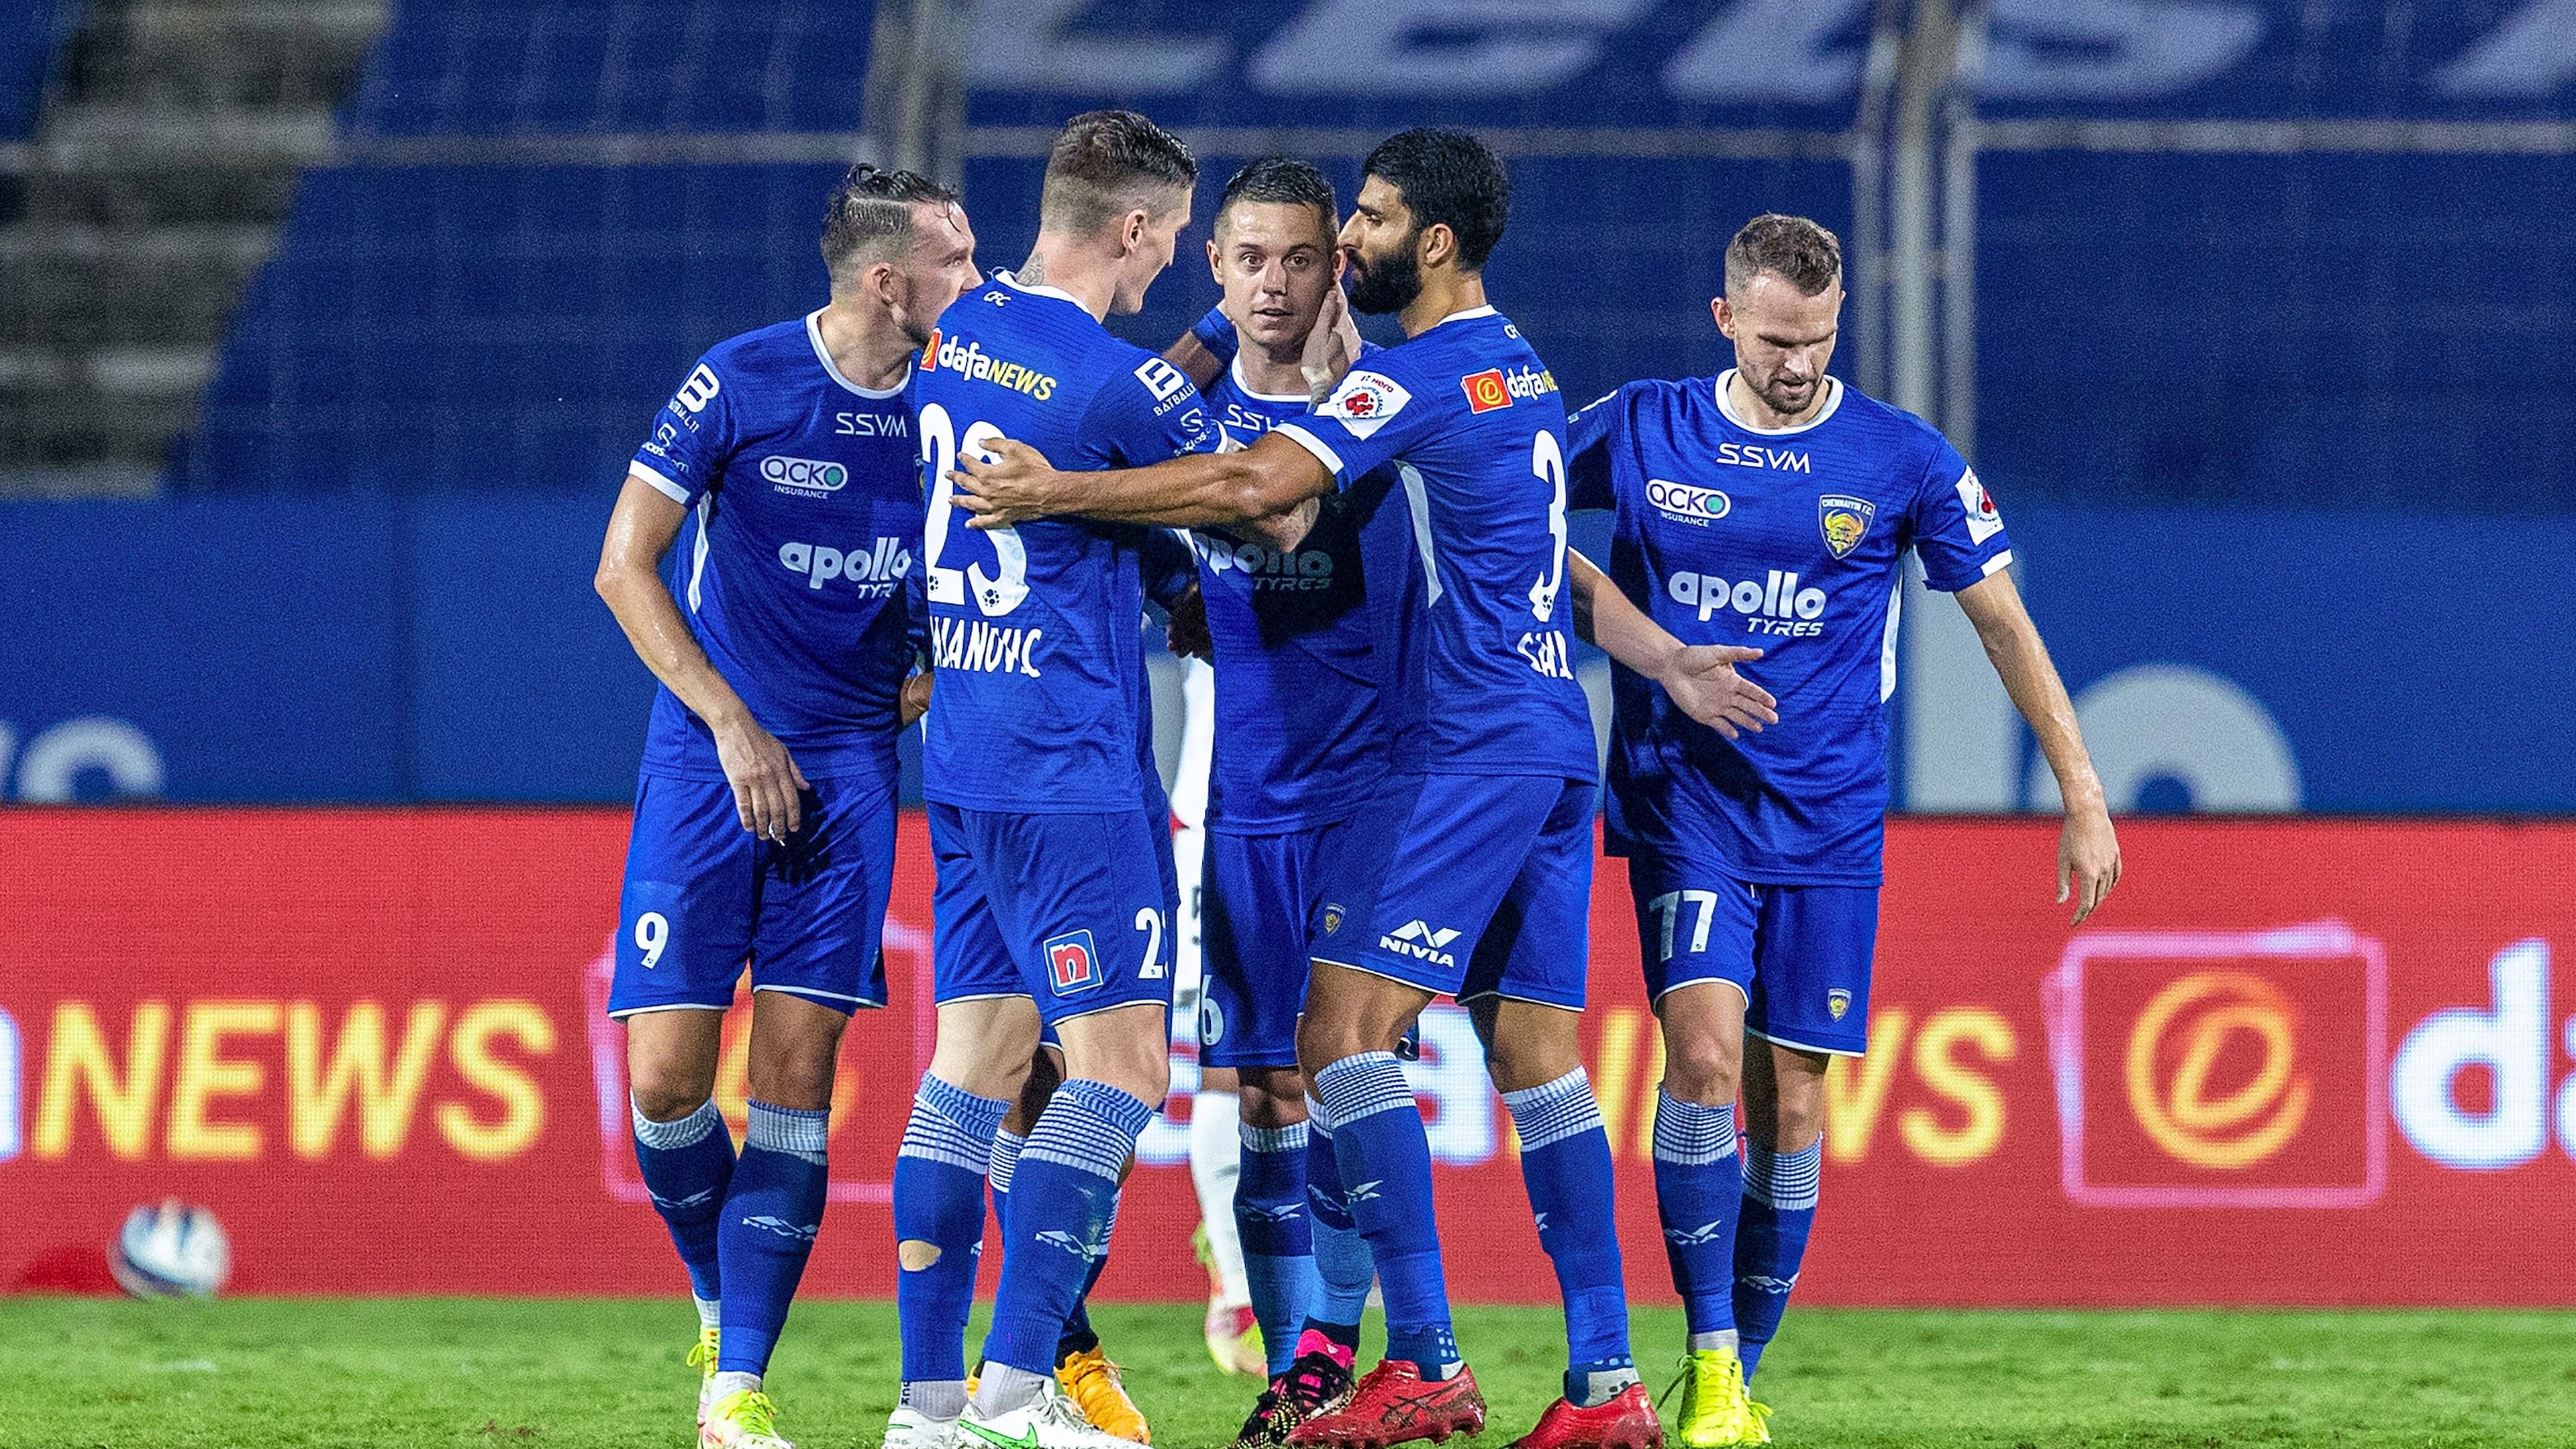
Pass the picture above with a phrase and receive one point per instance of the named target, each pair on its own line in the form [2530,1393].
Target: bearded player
[1486,895]
[1771,506]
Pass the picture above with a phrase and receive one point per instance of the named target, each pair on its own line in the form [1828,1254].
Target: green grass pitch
[554,1374]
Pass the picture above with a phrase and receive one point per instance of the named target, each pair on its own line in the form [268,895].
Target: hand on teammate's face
[767,786]
[1332,346]
[1703,681]
[1011,488]
[2088,860]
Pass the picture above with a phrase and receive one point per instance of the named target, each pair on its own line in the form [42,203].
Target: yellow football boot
[743,1419]
[1717,1411]
[703,1359]
[1091,1381]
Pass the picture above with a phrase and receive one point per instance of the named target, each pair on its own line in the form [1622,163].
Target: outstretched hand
[1011,483]
[1703,681]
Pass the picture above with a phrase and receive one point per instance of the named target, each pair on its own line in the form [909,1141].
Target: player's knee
[666,1092]
[1273,1096]
[798,1080]
[1701,1065]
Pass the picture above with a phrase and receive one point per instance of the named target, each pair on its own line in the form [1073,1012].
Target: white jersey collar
[1472,312]
[1235,370]
[1833,403]
[823,355]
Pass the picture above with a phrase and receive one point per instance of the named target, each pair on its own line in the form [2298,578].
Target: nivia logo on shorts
[1302,570]
[1772,604]
[1687,502]
[1422,941]
[804,475]
[876,572]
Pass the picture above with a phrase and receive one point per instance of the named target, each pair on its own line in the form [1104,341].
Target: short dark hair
[1803,254]
[1285,181]
[869,213]
[1448,178]
[1107,163]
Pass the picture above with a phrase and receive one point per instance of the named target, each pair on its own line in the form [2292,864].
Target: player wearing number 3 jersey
[1487,895]
[1047,821]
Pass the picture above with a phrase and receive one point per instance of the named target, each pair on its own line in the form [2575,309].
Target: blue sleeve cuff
[1215,332]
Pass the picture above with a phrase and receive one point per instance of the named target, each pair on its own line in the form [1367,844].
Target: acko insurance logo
[2221,1068]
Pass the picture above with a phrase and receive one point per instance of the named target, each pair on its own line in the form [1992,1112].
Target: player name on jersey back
[1036,628]
[1474,425]
[800,560]
[1789,541]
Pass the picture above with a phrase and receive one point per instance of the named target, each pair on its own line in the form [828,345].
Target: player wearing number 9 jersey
[1047,822]
[765,814]
[1487,893]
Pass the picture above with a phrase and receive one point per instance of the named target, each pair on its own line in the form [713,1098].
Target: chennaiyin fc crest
[1837,1001]
[1844,520]
[1332,918]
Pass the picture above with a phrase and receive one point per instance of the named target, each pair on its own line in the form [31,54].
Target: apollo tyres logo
[2221,1068]
[1298,570]
[875,572]
[1774,604]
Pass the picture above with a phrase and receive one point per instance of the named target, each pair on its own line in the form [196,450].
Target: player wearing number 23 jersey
[1489,892]
[1048,823]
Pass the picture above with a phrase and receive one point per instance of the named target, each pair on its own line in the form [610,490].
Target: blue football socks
[1064,1196]
[1565,1163]
[772,1212]
[1780,1193]
[939,1225]
[687,1165]
[1278,1249]
[1699,1190]
[1385,1157]
[1344,1272]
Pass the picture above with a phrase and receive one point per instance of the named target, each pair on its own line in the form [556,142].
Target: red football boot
[1392,1405]
[1624,1421]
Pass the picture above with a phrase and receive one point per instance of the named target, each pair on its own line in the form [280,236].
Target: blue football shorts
[1268,903]
[1799,953]
[1072,910]
[704,897]
[1487,891]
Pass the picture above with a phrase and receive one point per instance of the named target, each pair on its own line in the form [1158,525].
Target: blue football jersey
[1036,629]
[1787,541]
[1475,428]
[1312,645]
[798,574]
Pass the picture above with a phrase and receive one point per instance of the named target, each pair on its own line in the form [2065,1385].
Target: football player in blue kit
[1048,823]
[765,811]
[1485,894]
[1306,643]
[1771,506]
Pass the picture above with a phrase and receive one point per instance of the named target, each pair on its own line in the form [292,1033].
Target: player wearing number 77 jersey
[1486,896]
[1773,505]
[1047,822]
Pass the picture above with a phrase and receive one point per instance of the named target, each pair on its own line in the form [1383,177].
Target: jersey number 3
[995,594]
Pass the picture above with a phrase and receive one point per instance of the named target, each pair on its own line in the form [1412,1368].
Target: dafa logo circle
[2173,1069]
